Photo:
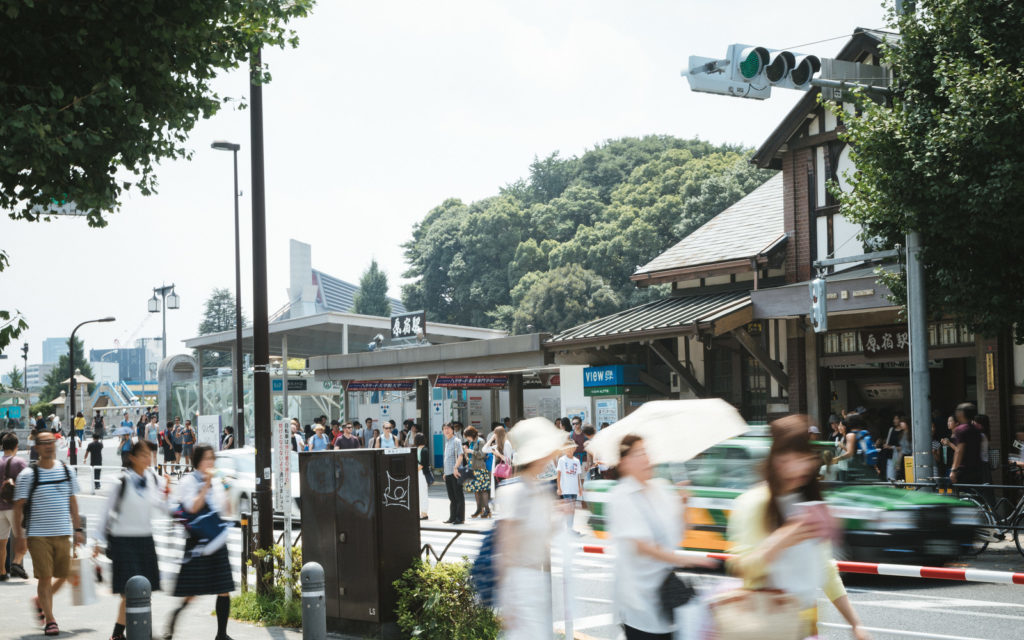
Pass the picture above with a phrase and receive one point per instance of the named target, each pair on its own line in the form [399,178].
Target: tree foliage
[52,387]
[372,297]
[94,94]
[945,158]
[16,379]
[575,226]
[11,322]
[218,316]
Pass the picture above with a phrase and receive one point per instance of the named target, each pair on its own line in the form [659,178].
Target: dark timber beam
[678,368]
[655,384]
[762,357]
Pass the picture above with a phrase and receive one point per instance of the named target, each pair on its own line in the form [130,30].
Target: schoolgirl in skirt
[125,526]
[203,573]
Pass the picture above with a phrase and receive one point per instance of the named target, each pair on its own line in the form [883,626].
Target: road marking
[903,606]
[958,601]
[897,632]
[587,622]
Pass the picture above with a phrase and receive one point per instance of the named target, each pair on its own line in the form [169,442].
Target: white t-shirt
[569,471]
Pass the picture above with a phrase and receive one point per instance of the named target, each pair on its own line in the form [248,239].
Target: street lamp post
[71,363]
[171,300]
[239,368]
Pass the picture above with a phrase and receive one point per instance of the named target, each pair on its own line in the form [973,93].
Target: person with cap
[528,520]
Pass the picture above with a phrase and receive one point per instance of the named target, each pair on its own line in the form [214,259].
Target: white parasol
[673,430]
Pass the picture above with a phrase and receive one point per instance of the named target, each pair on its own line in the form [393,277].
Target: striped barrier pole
[880,569]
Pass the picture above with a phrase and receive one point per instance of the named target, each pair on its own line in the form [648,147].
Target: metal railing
[427,550]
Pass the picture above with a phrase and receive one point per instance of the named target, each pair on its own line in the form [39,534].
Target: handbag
[465,473]
[83,580]
[673,593]
[756,614]
[503,471]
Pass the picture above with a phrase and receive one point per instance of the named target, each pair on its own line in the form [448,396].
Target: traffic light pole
[920,382]
[264,517]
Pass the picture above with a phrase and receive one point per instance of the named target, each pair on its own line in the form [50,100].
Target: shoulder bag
[673,592]
[756,614]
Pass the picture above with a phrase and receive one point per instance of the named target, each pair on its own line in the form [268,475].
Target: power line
[807,44]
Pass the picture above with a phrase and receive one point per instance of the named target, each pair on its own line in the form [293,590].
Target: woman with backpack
[125,527]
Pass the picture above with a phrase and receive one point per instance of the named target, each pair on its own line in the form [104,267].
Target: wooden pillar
[515,397]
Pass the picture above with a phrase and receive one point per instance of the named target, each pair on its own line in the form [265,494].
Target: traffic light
[765,68]
[819,312]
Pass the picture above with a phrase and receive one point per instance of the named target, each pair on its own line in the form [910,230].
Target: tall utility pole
[260,325]
[917,321]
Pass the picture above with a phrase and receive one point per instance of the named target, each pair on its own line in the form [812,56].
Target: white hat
[535,438]
[813,429]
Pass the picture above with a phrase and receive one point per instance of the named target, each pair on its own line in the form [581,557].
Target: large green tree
[607,212]
[218,316]
[372,297]
[560,298]
[945,158]
[15,380]
[52,387]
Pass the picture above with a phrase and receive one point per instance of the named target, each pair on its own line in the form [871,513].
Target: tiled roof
[338,295]
[666,316]
[744,230]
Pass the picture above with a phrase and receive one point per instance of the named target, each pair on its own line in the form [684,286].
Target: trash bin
[360,521]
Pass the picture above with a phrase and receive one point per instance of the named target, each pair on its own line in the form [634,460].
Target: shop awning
[672,316]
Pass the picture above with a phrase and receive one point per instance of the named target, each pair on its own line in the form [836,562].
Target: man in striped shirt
[50,489]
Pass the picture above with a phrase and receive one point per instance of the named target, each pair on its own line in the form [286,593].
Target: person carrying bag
[781,534]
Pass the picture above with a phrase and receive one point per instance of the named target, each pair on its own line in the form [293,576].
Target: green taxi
[880,523]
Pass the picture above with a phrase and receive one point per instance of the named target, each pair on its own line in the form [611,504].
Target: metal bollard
[138,612]
[314,610]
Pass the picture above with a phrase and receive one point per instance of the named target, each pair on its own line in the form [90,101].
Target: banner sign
[282,464]
[381,385]
[408,325]
[208,431]
[611,375]
[471,382]
[885,341]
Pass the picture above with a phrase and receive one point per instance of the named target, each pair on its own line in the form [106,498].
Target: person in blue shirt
[319,442]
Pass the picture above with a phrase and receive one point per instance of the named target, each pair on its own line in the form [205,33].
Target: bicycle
[996,527]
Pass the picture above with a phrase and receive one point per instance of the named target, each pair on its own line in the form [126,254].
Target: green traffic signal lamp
[752,62]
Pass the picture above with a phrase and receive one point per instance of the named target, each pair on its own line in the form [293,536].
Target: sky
[384,110]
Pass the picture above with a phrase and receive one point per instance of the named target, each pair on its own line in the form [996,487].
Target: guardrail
[427,550]
[873,568]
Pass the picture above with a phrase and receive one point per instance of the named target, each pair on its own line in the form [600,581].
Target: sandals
[51,629]
[40,618]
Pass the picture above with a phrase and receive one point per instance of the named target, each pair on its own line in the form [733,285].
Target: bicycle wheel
[1018,535]
[983,534]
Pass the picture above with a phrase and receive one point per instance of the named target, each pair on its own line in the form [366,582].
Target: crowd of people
[39,514]
[959,444]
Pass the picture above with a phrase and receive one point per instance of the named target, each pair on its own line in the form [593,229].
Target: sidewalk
[96,621]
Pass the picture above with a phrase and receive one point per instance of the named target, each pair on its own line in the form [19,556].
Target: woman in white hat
[528,520]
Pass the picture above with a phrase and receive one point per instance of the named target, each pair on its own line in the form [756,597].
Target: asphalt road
[891,607]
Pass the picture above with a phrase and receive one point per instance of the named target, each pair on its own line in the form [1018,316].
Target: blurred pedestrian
[500,447]
[188,440]
[79,425]
[199,492]
[10,467]
[50,486]
[72,444]
[480,485]
[167,443]
[125,527]
[346,440]
[781,530]
[228,441]
[298,441]
[576,435]
[647,522]
[569,482]
[98,425]
[387,436]
[176,439]
[967,442]
[124,447]
[426,475]
[526,525]
[94,458]
[374,440]
[454,457]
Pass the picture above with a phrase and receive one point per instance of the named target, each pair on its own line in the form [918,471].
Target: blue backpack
[867,447]
[482,573]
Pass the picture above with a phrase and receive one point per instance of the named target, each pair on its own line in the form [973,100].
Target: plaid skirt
[204,575]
